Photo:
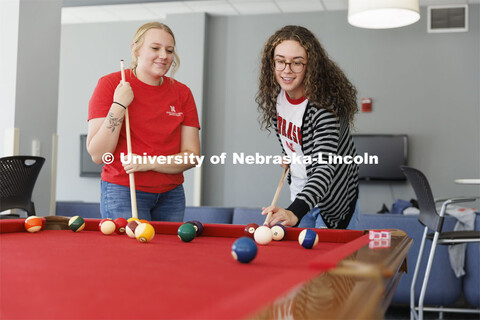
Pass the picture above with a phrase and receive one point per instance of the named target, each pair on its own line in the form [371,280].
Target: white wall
[9,15]
[30,42]
[89,51]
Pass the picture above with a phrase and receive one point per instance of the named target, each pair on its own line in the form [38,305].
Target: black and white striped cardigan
[331,187]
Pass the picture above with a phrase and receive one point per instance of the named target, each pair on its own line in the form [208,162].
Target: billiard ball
[107,226]
[33,224]
[308,238]
[131,226]
[121,225]
[198,227]
[278,232]
[250,229]
[144,221]
[130,219]
[186,232]
[76,223]
[144,232]
[244,250]
[263,235]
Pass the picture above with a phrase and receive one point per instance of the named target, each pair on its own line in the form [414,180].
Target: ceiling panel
[254,7]
[300,5]
[158,9]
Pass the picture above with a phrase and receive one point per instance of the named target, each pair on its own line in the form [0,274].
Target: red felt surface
[67,275]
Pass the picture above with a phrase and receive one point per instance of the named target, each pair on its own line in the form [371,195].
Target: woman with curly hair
[310,103]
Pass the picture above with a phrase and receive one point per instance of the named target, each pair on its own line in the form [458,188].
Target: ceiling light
[382,14]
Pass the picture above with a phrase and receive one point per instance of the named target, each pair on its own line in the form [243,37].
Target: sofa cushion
[444,288]
[471,280]
[248,215]
[78,208]
[209,214]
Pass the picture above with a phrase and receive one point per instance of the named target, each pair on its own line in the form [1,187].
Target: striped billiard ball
[144,232]
[308,238]
[76,223]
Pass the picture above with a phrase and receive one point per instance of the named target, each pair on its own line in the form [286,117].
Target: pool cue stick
[133,195]
[277,193]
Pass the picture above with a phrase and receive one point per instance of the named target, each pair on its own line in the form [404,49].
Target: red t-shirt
[157,114]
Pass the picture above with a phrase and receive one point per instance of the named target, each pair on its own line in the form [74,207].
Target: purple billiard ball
[278,232]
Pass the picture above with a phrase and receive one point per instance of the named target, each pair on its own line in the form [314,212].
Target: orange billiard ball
[33,224]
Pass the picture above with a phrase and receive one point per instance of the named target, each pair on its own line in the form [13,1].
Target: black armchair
[18,175]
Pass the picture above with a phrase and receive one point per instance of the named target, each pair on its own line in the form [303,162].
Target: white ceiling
[159,10]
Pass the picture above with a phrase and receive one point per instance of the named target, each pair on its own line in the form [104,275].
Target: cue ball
[131,226]
[144,232]
[263,235]
[244,250]
[33,224]
[308,238]
[278,232]
[121,225]
[76,223]
[250,229]
[186,232]
[107,226]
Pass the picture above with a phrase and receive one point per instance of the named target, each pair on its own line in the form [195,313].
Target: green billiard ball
[186,232]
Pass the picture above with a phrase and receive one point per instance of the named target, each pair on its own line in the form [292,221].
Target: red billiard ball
[250,229]
[121,225]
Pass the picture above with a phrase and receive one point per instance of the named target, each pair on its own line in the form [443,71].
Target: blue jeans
[313,219]
[168,206]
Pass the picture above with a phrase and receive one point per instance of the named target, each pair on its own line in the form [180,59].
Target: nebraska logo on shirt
[290,146]
[173,113]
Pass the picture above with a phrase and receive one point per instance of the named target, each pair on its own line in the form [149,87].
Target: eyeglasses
[295,66]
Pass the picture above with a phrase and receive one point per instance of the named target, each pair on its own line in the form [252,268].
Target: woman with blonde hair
[163,121]
[310,103]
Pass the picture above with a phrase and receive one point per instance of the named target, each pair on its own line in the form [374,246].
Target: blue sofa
[444,287]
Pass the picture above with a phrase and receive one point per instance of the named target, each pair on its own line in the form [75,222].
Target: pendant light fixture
[382,14]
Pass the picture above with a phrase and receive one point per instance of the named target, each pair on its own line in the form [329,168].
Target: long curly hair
[325,84]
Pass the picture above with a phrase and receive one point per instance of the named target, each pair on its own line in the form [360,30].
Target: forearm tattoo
[113,122]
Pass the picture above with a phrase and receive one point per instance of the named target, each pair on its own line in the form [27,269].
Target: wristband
[121,105]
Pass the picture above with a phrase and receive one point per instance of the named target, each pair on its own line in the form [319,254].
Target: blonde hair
[139,39]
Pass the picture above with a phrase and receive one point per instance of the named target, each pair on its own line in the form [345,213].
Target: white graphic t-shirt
[289,122]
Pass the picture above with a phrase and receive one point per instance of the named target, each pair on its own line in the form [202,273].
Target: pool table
[60,274]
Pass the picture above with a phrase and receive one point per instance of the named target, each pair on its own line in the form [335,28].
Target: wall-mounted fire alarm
[366,104]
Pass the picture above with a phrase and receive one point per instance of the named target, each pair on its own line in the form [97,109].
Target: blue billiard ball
[244,249]
[308,238]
